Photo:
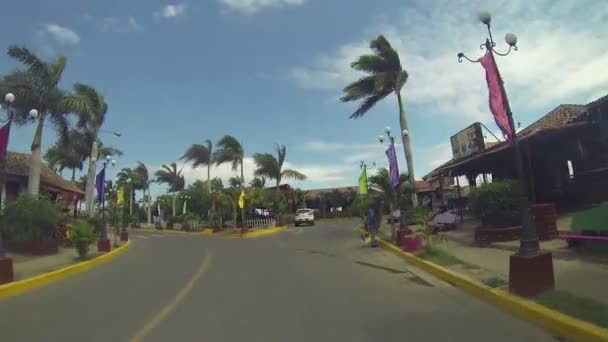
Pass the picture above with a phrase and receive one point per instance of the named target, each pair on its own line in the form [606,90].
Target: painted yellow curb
[267,231]
[549,319]
[17,287]
[170,231]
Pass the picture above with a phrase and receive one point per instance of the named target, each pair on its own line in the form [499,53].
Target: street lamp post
[103,244]
[6,264]
[530,269]
[124,234]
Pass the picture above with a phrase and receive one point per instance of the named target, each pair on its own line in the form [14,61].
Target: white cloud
[253,6]
[62,35]
[171,11]
[562,49]
[114,24]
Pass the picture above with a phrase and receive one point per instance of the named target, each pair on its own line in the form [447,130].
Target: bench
[576,238]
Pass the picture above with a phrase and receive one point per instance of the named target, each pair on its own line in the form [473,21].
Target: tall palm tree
[66,155]
[37,87]
[199,155]
[385,76]
[269,166]
[143,181]
[230,150]
[173,177]
[91,107]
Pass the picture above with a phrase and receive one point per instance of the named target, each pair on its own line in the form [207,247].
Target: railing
[261,223]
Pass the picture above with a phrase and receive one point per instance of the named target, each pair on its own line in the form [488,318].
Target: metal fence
[261,223]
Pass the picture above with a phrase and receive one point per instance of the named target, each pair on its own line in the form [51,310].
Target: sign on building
[468,141]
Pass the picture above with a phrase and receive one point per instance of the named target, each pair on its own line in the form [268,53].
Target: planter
[33,247]
[244,230]
[6,270]
[401,234]
[486,235]
[104,245]
[412,243]
[124,236]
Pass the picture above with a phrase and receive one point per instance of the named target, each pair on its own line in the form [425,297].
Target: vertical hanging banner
[393,166]
[497,97]
[363,182]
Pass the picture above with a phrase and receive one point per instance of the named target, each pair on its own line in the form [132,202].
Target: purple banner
[393,173]
[100,184]
[497,100]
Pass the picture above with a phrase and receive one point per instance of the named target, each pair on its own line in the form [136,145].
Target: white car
[304,216]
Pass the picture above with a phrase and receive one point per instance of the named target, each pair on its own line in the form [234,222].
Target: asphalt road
[306,284]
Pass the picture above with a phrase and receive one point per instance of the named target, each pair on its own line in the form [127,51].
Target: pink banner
[497,100]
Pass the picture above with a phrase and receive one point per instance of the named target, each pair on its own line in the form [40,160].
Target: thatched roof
[18,164]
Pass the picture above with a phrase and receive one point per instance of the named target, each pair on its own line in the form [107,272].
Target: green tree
[234,182]
[200,155]
[37,87]
[258,182]
[269,166]
[66,155]
[230,150]
[385,76]
[391,196]
[173,178]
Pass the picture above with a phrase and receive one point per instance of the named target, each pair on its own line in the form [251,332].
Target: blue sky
[266,71]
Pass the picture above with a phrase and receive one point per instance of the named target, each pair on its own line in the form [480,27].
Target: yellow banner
[121,196]
[242,200]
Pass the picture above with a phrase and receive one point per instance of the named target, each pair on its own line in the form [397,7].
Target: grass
[582,308]
[440,257]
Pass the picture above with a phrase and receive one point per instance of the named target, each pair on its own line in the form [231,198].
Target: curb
[165,231]
[20,286]
[549,319]
[268,231]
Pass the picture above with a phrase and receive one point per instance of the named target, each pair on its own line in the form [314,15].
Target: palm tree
[143,181]
[37,87]
[126,177]
[269,166]
[66,155]
[173,177]
[391,195]
[235,182]
[385,76]
[199,155]
[230,150]
[91,107]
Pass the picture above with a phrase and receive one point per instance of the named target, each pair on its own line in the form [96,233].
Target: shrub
[419,215]
[496,204]
[27,218]
[82,235]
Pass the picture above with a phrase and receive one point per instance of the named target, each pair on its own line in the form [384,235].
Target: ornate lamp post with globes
[530,269]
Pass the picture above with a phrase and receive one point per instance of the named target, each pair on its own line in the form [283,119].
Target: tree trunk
[90,186]
[149,210]
[242,189]
[73,174]
[407,149]
[209,176]
[33,180]
[173,203]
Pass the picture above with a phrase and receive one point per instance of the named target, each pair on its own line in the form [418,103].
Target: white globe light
[9,97]
[511,39]
[33,114]
[128,180]
[113,162]
[405,132]
[387,129]
[108,158]
[485,17]
[380,138]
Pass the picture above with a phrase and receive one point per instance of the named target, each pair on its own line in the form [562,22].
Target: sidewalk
[25,266]
[575,272]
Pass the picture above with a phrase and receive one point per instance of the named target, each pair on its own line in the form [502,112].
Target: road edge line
[17,287]
[549,319]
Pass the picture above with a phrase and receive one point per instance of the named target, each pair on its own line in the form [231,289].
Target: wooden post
[459,200]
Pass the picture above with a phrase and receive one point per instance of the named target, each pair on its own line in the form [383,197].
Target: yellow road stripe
[167,309]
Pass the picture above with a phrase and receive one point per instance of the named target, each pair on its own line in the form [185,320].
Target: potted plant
[82,236]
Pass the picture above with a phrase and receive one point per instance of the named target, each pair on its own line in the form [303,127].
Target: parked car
[304,216]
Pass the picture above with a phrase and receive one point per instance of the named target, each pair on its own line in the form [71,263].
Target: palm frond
[55,70]
[363,87]
[229,150]
[367,104]
[60,123]
[293,174]
[198,155]
[381,47]
[370,63]
[281,154]
[266,165]
[35,65]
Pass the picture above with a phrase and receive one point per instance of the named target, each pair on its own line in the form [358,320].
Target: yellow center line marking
[167,309]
